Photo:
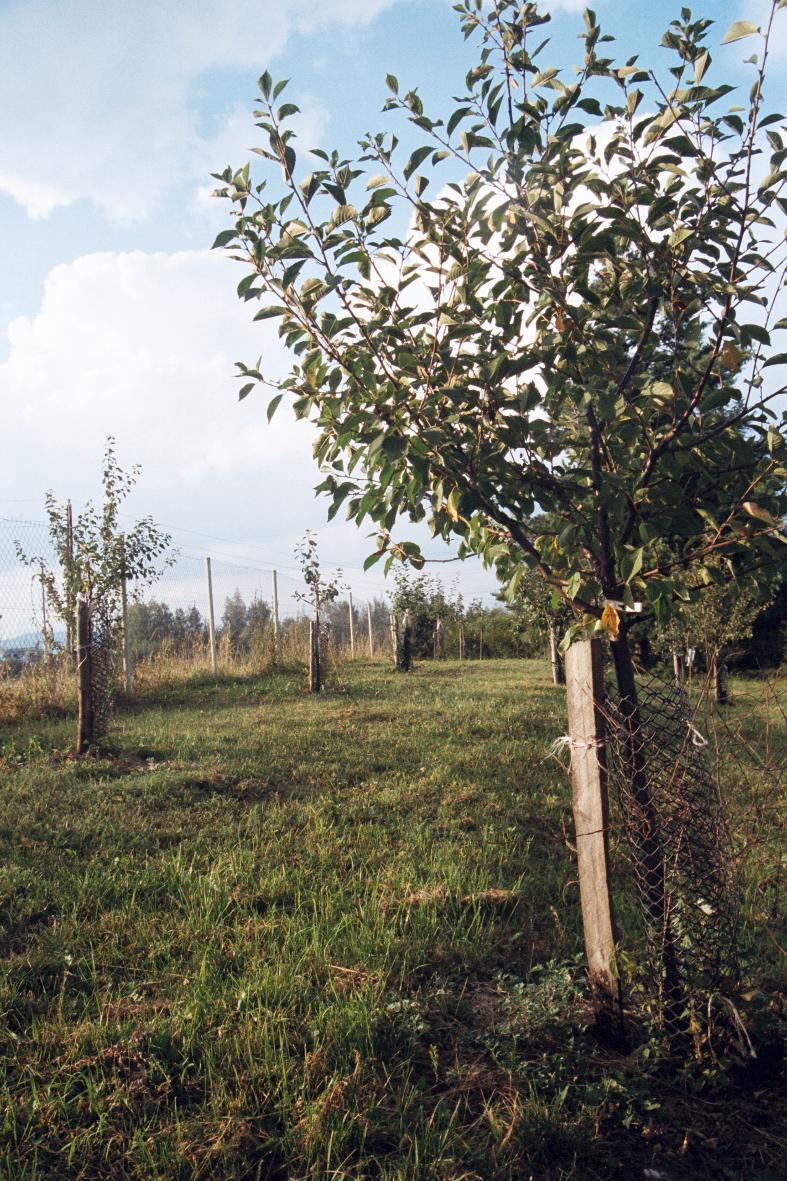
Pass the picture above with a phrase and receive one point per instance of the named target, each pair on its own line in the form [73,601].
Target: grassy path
[267,935]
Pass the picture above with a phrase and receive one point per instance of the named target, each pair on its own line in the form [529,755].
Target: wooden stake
[44,627]
[461,639]
[352,625]
[84,676]
[69,581]
[371,634]
[679,669]
[585,695]
[214,662]
[275,616]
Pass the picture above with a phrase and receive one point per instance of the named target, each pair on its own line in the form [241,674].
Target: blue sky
[114,316]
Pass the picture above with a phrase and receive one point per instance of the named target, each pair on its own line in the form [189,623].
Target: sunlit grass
[266,934]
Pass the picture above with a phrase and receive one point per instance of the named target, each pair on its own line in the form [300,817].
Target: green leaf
[224,238]
[392,83]
[680,235]
[700,66]
[273,309]
[245,390]
[573,585]
[750,332]
[740,30]
[265,84]
[273,404]
[776,359]
[370,561]
[456,119]
[418,156]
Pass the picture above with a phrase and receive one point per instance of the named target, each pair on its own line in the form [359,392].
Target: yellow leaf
[756,510]
[731,357]
[610,621]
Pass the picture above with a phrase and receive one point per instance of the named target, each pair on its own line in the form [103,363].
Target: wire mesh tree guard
[677,843]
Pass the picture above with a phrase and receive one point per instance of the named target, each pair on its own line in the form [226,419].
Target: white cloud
[141,346]
[97,100]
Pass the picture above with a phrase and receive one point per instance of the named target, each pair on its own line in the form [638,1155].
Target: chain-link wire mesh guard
[677,840]
[105,647]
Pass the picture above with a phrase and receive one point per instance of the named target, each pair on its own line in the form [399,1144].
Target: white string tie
[566,742]
[697,739]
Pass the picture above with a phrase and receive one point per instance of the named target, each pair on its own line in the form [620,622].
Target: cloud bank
[98,101]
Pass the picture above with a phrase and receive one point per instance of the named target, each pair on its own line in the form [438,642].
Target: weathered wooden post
[558,672]
[352,624]
[395,639]
[371,633]
[214,663]
[84,676]
[585,694]
[480,641]
[461,639]
[679,668]
[439,639]
[275,617]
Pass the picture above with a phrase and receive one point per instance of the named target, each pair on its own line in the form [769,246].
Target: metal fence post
[214,664]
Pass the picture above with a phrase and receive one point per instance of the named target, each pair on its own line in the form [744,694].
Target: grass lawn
[265,935]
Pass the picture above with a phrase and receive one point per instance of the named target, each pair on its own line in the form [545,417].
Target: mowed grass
[268,935]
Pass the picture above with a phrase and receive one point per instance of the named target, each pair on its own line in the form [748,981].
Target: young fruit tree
[320,592]
[578,322]
[561,301]
[97,561]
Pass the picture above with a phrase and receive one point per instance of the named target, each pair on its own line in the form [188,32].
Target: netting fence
[173,614]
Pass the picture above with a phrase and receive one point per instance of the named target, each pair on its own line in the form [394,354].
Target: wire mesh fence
[173,614]
[677,842]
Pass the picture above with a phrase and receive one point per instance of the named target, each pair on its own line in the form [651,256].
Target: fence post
[69,581]
[84,676]
[371,634]
[352,625]
[558,672]
[214,664]
[480,641]
[439,639]
[585,697]
[679,669]
[44,626]
[461,639]
[275,616]
[395,639]
[126,642]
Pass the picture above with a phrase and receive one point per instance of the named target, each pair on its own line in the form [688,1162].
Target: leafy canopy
[579,320]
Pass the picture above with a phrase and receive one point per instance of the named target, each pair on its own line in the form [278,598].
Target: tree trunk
[558,672]
[718,666]
[645,834]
